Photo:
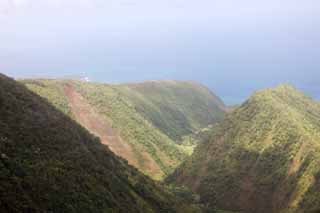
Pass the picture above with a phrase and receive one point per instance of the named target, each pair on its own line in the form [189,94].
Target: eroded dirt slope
[88,117]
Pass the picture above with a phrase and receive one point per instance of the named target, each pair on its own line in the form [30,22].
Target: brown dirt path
[91,120]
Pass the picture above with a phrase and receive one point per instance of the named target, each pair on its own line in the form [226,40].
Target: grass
[266,152]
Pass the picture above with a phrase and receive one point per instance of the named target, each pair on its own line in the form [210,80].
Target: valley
[81,146]
[133,119]
[49,163]
[175,106]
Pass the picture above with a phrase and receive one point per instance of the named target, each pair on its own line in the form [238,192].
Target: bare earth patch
[87,116]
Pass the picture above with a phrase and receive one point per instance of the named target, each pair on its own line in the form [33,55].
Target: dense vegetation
[49,163]
[152,117]
[176,108]
[264,157]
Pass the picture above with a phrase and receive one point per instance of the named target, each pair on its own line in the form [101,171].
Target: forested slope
[264,157]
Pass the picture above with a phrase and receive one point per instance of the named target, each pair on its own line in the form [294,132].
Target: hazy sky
[232,46]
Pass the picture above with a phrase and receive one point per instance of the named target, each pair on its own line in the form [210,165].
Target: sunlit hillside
[264,157]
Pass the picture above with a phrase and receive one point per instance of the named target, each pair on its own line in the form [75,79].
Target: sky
[234,47]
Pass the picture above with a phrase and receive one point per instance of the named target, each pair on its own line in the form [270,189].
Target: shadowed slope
[49,163]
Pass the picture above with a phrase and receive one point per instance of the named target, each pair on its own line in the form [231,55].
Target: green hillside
[114,113]
[177,108]
[264,157]
[49,163]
